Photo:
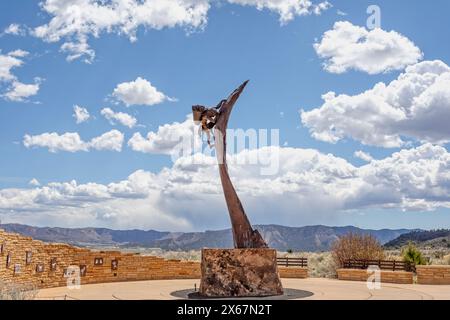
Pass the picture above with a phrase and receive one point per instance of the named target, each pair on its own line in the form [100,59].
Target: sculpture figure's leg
[243,234]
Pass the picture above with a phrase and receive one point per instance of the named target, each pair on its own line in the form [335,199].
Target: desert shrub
[356,247]
[321,265]
[413,255]
[447,259]
[15,291]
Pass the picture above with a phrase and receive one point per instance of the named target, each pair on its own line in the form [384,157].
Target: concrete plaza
[321,289]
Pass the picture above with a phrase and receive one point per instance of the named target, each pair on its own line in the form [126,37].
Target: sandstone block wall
[401,277]
[293,272]
[47,264]
[433,274]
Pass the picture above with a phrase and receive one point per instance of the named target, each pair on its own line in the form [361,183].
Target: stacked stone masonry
[293,272]
[433,275]
[45,265]
[401,277]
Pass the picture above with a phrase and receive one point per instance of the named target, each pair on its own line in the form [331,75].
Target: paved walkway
[322,289]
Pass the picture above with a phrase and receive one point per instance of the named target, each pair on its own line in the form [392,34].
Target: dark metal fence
[392,265]
[293,262]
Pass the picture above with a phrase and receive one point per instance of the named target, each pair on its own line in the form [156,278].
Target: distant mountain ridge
[432,238]
[309,238]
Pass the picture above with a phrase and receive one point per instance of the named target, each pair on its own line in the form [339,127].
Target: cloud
[16,91]
[71,142]
[349,47]
[34,182]
[112,140]
[76,50]
[414,107]
[19,91]
[8,62]
[80,114]
[19,53]
[14,29]
[74,22]
[416,179]
[363,156]
[287,9]
[139,92]
[120,117]
[166,139]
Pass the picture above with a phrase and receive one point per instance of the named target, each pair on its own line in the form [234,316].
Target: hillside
[431,239]
[310,238]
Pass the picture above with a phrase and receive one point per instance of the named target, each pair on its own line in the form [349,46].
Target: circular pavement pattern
[318,289]
[289,294]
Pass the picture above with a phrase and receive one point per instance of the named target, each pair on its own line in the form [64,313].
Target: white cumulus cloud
[112,140]
[72,142]
[80,114]
[8,62]
[16,91]
[19,91]
[416,179]
[14,29]
[286,9]
[349,47]
[363,156]
[166,139]
[74,22]
[415,106]
[119,117]
[139,92]
[34,182]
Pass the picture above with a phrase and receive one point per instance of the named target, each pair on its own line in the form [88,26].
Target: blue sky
[202,66]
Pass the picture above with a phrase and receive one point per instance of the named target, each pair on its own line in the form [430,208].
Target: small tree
[356,247]
[413,255]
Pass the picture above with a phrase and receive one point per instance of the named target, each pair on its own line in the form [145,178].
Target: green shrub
[413,255]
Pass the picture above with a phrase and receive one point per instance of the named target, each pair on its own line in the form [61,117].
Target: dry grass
[320,264]
[14,291]
[192,255]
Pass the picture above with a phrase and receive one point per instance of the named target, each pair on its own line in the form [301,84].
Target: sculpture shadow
[289,294]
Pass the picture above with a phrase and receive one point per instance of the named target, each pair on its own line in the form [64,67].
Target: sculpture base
[240,273]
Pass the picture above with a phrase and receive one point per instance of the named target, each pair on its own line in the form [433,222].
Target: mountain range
[424,239]
[309,238]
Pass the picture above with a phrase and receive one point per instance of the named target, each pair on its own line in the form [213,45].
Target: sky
[95,97]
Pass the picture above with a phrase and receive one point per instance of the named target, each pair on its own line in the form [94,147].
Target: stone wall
[387,276]
[293,272]
[47,264]
[433,274]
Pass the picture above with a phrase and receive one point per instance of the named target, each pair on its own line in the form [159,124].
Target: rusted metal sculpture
[244,235]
